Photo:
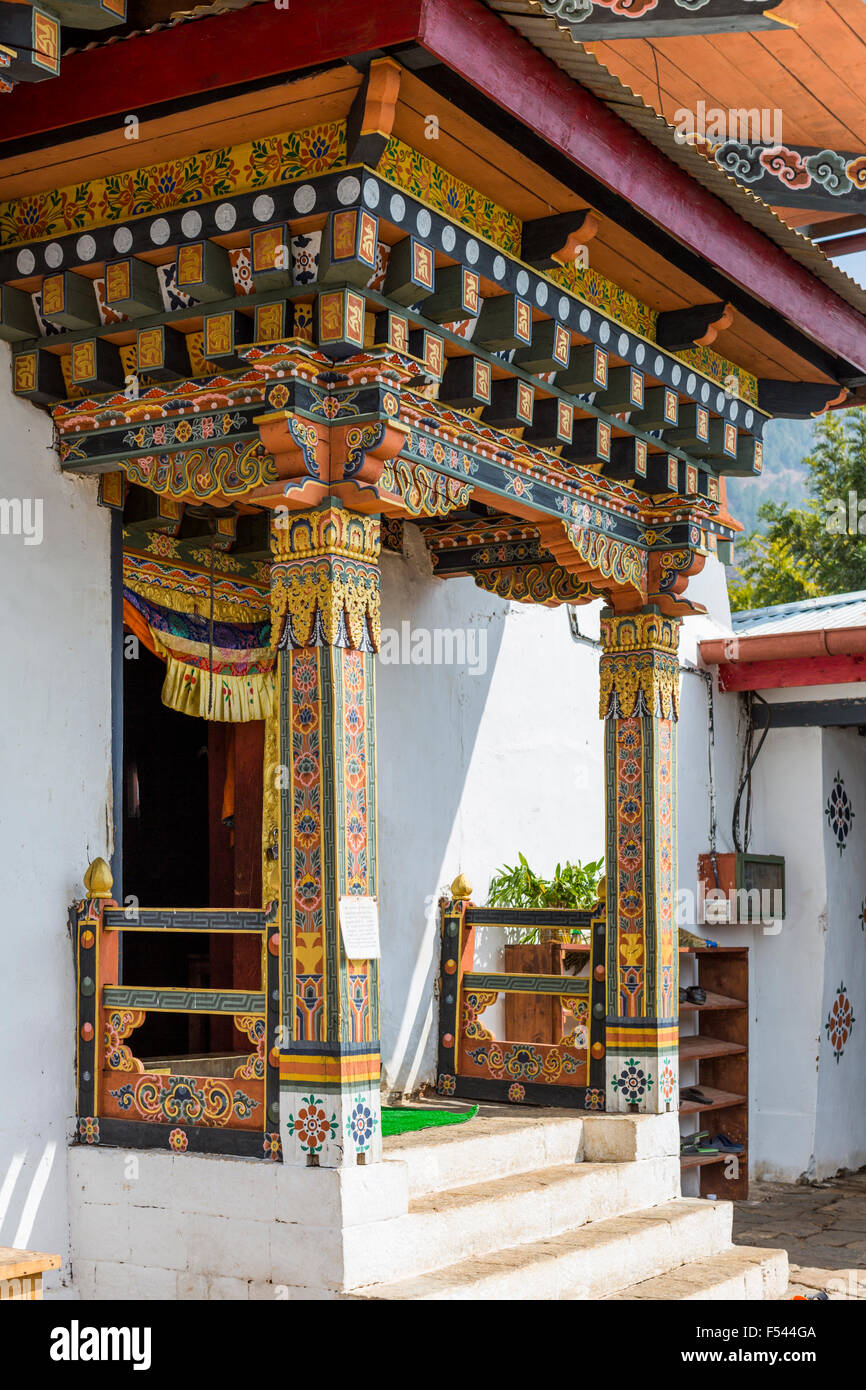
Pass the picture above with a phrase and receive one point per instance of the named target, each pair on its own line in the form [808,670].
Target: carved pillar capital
[325,579]
[639,668]
[328,441]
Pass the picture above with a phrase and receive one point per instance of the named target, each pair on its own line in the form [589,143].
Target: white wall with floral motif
[840,1131]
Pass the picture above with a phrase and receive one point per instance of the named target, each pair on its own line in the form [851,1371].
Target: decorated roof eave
[556,42]
[341,189]
[705,198]
[410,458]
[474,43]
[195,442]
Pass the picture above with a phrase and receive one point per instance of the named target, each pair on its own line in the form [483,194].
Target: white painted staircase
[513,1204]
[541,1205]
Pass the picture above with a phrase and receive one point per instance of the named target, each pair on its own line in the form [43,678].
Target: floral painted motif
[355,769]
[178,1140]
[311,1127]
[194,1100]
[273,1148]
[418,175]
[528,1063]
[361,1124]
[88,1130]
[446,1085]
[516,1092]
[633,1081]
[840,1022]
[667,1080]
[307,810]
[219,173]
[593,1099]
[305,258]
[242,271]
[839,812]
[629,764]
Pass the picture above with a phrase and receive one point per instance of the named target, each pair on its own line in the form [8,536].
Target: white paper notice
[359,923]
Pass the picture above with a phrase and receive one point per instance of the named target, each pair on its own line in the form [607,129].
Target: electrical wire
[746,778]
[658,82]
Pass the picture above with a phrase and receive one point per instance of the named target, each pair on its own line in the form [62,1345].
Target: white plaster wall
[54,808]
[472,769]
[840,1138]
[787,967]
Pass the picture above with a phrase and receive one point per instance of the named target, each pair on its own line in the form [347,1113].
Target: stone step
[501,1140]
[591,1261]
[742,1273]
[442,1228]
[495,1143]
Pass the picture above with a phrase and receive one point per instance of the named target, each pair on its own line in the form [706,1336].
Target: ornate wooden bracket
[336,453]
[371,117]
[668,576]
[698,325]
[612,567]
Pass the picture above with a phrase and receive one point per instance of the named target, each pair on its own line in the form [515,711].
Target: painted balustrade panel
[128,1101]
[154,1098]
[548,1001]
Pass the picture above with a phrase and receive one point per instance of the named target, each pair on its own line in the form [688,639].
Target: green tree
[805,552]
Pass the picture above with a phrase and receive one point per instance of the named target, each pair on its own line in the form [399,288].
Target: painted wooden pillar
[325,607]
[639,702]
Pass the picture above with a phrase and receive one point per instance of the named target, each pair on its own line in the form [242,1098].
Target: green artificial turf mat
[402,1119]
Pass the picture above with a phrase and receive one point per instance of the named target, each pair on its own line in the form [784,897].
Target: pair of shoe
[727,1146]
[692,994]
[701,1143]
[697,1144]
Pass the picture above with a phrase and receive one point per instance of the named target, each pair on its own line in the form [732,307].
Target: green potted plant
[542,951]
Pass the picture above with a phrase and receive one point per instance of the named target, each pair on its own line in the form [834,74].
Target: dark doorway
[166,852]
[192,817]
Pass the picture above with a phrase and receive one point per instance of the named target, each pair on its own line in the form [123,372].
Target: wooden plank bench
[21,1273]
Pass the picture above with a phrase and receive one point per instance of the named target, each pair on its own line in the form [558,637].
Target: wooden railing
[120,1100]
[553,1051]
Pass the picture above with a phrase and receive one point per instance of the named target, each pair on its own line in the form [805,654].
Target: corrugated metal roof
[811,615]
[558,44]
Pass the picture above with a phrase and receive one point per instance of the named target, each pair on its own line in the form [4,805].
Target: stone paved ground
[823,1229]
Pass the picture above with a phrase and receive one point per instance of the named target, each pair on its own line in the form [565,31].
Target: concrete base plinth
[159,1225]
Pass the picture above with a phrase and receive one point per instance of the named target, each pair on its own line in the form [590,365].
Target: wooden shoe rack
[720,1051]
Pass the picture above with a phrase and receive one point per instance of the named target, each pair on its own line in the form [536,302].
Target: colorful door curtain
[225,675]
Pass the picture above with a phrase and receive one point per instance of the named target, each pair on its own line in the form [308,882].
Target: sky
[855,266]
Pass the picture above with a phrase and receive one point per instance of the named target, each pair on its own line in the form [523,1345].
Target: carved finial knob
[602,889]
[98,881]
[461,888]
